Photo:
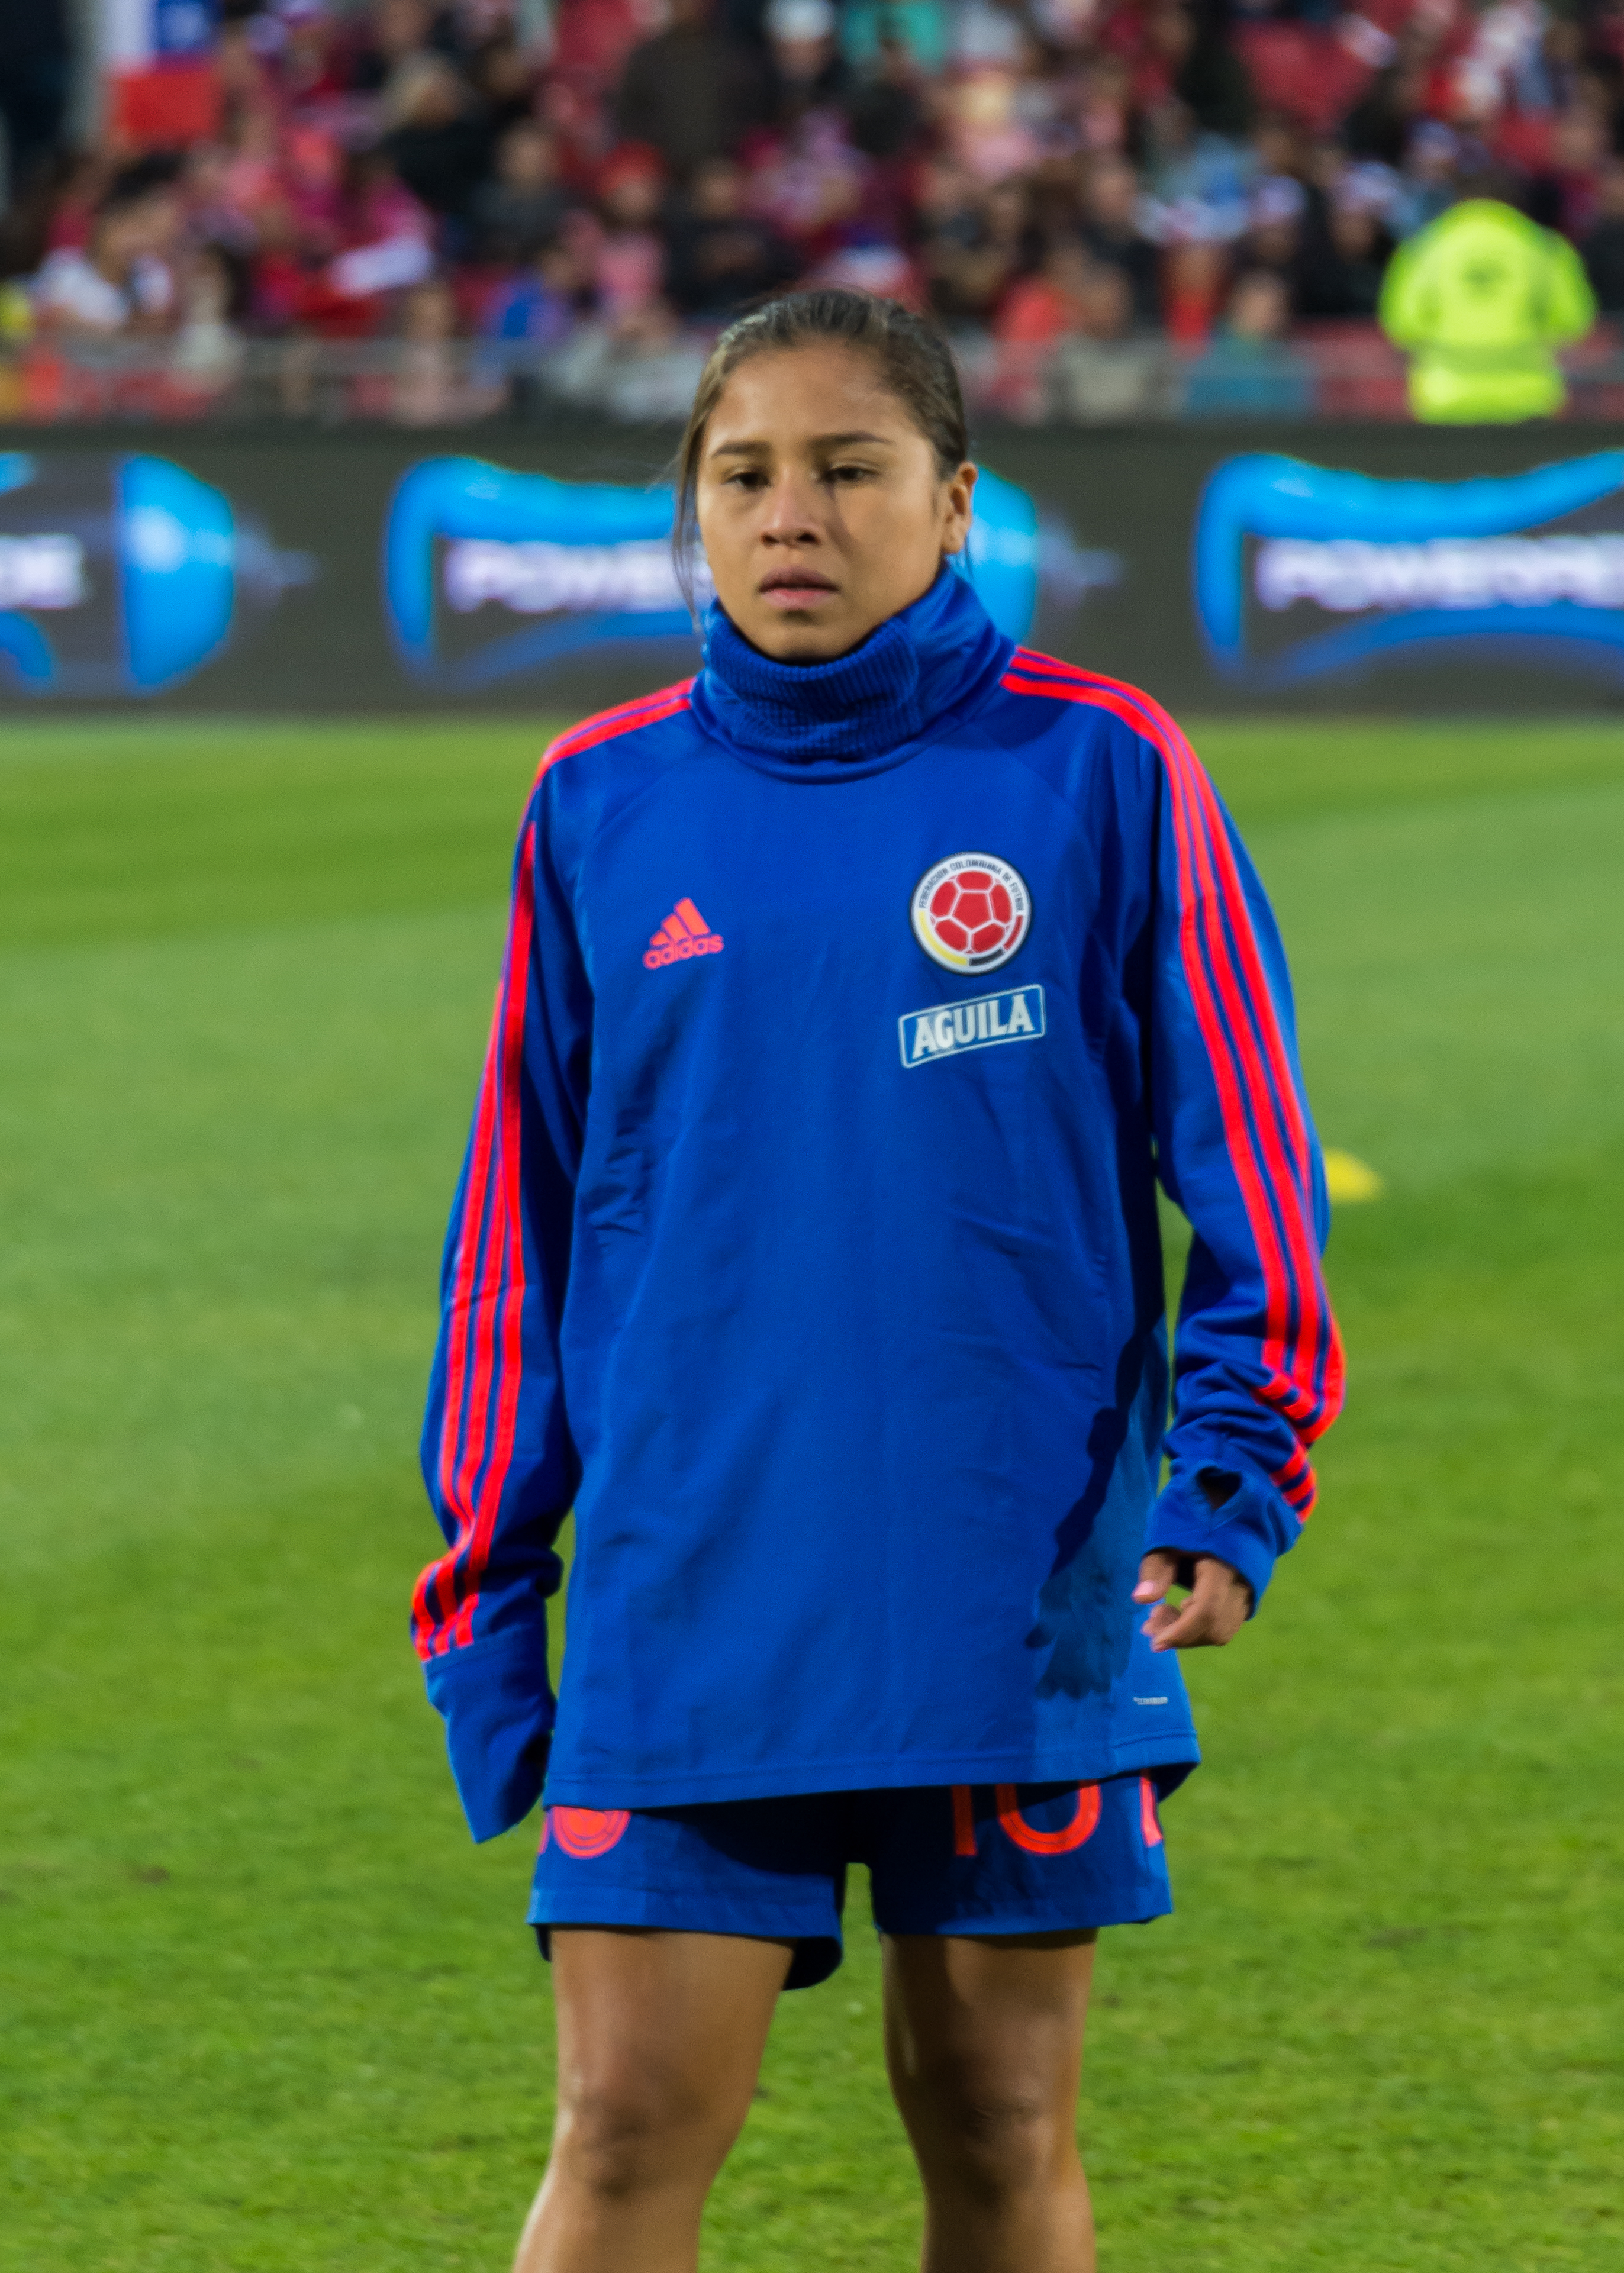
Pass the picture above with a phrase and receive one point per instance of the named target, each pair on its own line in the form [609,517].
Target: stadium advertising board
[582,569]
[123,574]
[1305,572]
[1394,570]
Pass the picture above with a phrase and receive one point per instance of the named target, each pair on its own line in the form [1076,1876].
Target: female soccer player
[857,995]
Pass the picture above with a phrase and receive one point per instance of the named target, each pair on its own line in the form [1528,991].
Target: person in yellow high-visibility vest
[1480,299]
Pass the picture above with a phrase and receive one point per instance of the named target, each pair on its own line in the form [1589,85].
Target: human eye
[847,470]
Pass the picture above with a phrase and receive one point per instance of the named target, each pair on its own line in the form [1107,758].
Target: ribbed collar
[917,666]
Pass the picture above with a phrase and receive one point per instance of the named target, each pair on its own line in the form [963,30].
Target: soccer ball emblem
[970,912]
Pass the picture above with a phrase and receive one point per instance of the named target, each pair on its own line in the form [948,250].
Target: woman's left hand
[1217,1607]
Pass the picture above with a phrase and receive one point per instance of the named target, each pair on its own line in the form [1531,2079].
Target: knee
[993,2137]
[618,2136]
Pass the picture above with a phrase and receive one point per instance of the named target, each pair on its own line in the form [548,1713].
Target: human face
[821,508]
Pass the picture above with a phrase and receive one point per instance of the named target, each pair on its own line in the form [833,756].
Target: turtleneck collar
[932,658]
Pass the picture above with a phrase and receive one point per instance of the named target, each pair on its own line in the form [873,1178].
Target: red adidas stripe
[483,1248]
[1232,1110]
[1250,1063]
[488,1290]
[1279,1085]
[1276,1088]
[604,726]
[1288,1393]
[438,1578]
[509,1226]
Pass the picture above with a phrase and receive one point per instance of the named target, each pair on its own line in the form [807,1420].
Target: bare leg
[659,2036]
[984,2042]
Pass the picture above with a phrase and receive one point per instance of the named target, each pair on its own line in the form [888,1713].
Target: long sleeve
[498,1459]
[1407,309]
[1569,303]
[1258,1371]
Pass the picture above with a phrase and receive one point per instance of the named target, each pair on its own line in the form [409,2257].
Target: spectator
[429,389]
[81,183]
[886,107]
[1037,312]
[630,267]
[523,205]
[213,215]
[1197,182]
[1482,301]
[642,368]
[208,355]
[380,245]
[252,176]
[1192,280]
[313,175]
[1249,370]
[1105,372]
[1203,69]
[1274,239]
[591,41]
[311,72]
[1340,273]
[503,77]
[534,312]
[689,93]
[1044,306]
[986,36]
[438,141]
[1604,245]
[721,256]
[397,32]
[805,71]
[1277,146]
[869,262]
[1563,192]
[124,279]
[810,184]
[976,248]
[1381,124]
[916,28]
[985,125]
[1428,184]
[1016,165]
[1111,232]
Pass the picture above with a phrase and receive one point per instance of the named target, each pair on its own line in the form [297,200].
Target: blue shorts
[972,1859]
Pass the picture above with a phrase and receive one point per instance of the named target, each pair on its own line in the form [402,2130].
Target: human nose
[791,516]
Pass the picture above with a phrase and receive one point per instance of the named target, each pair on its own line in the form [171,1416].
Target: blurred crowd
[1101,200]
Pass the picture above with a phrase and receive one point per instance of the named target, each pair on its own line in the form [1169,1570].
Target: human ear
[957,506]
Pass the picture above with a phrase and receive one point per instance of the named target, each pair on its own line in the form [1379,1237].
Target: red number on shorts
[1049,1842]
[585,1833]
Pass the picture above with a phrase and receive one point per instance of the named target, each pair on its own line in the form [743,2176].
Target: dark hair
[914,362]
[134,184]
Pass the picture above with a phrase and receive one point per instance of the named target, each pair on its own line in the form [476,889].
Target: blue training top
[808,1240]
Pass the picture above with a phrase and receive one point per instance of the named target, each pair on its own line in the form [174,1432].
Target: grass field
[265,2007]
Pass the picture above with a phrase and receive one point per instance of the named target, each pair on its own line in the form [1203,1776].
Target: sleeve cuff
[1245,1532]
[497,1703]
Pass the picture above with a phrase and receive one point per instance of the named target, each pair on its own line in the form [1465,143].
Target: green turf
[262,2006]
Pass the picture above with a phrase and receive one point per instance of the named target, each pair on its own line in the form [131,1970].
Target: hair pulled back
[913,360]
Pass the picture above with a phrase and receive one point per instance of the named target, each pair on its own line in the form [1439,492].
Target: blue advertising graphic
[591,560]
[1409,567]
[122,574]
[587,566]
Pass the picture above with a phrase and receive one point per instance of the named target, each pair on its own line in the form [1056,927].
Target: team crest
[972,911]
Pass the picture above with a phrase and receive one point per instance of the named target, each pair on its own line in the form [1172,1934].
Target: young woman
[858,994]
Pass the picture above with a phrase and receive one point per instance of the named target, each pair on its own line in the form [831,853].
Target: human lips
[796,588]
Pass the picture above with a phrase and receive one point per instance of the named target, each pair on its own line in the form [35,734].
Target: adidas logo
[684,933]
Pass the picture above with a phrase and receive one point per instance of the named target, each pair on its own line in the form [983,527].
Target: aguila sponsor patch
[952,1028]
